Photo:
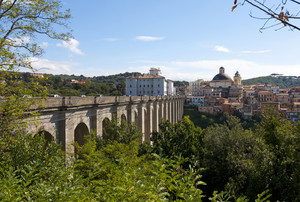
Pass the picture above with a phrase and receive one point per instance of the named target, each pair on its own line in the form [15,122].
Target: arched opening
[135,116]
[105,127]
[123,121]
[154,119]
[80,132]
[47,136]
[123,118]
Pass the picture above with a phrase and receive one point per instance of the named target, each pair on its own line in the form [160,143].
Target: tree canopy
[21,23]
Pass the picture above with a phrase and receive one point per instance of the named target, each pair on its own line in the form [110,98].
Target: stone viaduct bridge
[67,119]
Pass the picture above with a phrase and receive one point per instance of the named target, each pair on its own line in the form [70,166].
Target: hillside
[281,81]
[112,85]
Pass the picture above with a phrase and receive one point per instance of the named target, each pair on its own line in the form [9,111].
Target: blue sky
[186,39]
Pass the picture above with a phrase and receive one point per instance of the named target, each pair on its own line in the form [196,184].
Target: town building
[151,84]
[223,94]
[195,87]
[221,86]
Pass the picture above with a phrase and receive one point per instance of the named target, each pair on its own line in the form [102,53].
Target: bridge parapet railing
[75,101]
[105,100]
[122,99]
[135,98]
[70,101]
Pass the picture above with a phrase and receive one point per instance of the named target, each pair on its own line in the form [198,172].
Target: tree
[21,21]
[280,13]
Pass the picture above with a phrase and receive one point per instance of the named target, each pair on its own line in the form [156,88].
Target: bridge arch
[122,114]
[62,116]
[123,117]
[105,126]
[80,132]
[47,136]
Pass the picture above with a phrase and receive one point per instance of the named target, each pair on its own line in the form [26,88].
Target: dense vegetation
[281,81]
[223,162]
[113,85]
[205,120]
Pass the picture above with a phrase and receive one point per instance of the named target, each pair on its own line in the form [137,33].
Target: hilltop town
[223,94]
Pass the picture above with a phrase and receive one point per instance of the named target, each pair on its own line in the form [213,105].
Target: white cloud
[44,44]
[149,38]
[221,49]
[72,45]
[207,69]
[48,66]
[256,52]
[111,39]
[20,40]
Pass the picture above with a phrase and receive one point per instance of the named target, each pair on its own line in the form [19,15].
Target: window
[140,85]
[130,85]
[158,85]
[144,85]
[151,85]
[130,92]
[147,85]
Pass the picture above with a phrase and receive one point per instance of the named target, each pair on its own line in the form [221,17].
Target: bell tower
[237,79]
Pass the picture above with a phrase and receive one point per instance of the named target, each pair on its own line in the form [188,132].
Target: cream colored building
[152,84]
[195,87]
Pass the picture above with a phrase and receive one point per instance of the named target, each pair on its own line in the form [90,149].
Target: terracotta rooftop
[268,92]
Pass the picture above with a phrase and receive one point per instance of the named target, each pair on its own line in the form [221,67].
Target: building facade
[152,84]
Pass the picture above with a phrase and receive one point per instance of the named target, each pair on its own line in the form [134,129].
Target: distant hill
[113,85]
[281,81]
[114,78]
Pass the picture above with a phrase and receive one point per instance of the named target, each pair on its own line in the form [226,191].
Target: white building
[195,87]
[152,84]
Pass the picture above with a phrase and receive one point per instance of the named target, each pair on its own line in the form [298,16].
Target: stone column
[156,116]
[69,135]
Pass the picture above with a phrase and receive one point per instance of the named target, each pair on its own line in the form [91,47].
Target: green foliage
[121,133]
[242,162]
[282,169]
[237,164]
[116,172]
[205,120]
[179,139]
[281,81]
[20,24]
[227,153]
[32,171]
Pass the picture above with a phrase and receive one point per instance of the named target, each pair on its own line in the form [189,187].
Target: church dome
[221,76]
